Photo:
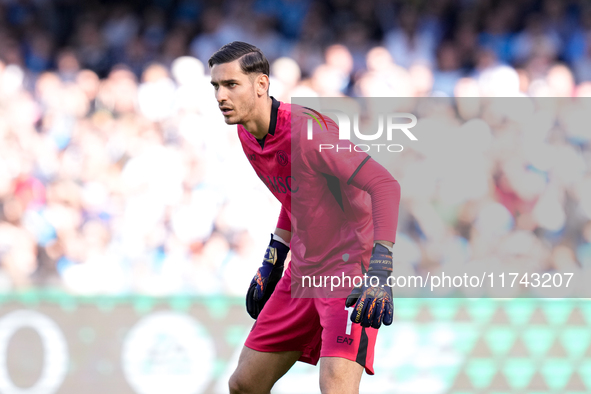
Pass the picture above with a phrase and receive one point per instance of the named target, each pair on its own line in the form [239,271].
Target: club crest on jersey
[282,158]
[252,157]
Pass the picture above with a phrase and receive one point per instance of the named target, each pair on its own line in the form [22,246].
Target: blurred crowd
[118,174]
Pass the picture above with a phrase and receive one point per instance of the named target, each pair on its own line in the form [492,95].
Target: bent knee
[339,376]
[236,385]
[240,385]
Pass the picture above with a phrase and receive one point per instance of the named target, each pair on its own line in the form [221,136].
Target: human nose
[220,95]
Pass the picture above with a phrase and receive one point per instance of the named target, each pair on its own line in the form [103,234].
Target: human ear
[262,84]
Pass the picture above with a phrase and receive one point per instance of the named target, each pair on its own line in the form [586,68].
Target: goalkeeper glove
[264,282]
[374,305]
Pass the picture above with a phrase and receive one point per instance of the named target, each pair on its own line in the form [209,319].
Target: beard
[244,113]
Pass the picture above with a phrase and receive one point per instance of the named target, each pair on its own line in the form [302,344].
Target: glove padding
[264,282]
[374,305]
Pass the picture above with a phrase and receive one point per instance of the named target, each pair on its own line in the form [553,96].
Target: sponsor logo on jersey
[279,184]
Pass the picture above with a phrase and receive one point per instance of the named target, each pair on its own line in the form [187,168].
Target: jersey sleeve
[385,198]
[284,222]
[327,154]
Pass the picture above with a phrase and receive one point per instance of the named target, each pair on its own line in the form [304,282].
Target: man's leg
[347,348]
[258,371]
[288,329]
[339,375]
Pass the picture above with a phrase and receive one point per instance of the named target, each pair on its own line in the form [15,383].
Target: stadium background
[131,223]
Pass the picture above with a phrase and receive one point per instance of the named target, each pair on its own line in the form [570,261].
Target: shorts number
[349,322]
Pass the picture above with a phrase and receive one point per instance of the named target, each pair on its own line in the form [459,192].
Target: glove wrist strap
[381,259]
[276,253]
[380,265]
[390,248]
[275,237]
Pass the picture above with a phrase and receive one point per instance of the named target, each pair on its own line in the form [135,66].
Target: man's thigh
[287,324]
[343,339]
[257,371]
[339,375]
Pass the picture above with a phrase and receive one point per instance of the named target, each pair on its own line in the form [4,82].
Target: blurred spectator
[215,32]
[339,58]
[285,76]
[39,52]
[496,36]
[537,40]
[578,50]
[67,65]
[560,81]
[91,48]
[448,70]
[409,43]
[156,93]
[121,26]
[466,44]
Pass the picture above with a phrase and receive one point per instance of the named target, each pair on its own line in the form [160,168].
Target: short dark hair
[252,59]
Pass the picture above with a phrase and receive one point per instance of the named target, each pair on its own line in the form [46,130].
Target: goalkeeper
[347,213]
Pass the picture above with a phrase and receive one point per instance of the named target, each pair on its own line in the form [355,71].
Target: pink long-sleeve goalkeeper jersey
[331,220]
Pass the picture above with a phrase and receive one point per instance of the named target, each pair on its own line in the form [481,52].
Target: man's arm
[269,273]
[283,229]
[387,244]
[385,200]
[284,235]
[360,170]
[374,305]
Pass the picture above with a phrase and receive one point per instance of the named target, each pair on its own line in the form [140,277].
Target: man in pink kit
[339,216]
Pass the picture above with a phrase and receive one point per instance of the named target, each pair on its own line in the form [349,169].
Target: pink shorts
[318,327]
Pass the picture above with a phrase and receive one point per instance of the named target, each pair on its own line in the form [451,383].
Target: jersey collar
[273,123]
[274,112]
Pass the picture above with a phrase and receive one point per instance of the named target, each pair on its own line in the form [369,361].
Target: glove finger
[351,300]
[357,314]
[353,297]
[259,283]
[388,312]
[373,297]
[378,313]
[252,306]
[367,313]
[269,288]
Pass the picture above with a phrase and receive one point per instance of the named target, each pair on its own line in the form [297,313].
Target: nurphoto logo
[344,123]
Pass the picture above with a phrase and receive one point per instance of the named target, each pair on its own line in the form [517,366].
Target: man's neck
[258,126]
